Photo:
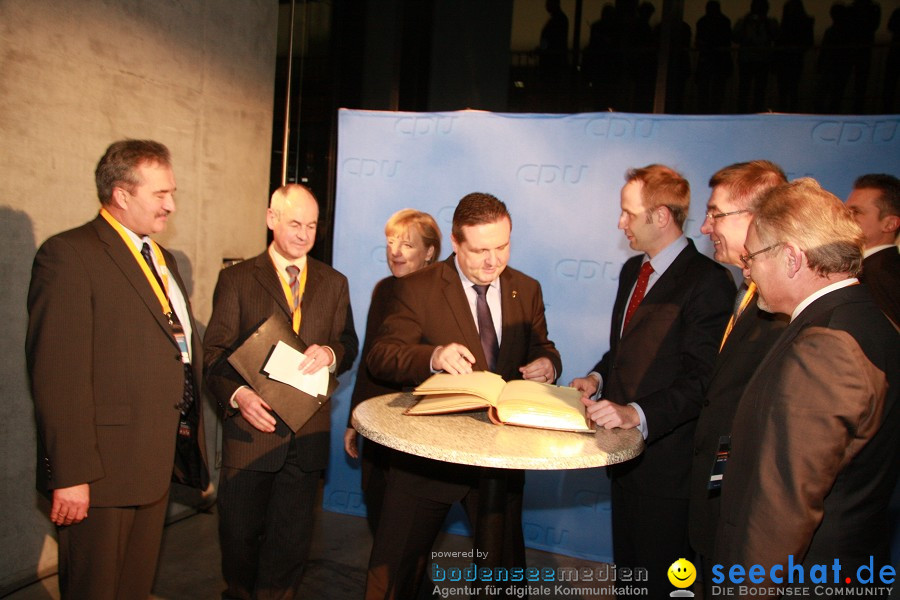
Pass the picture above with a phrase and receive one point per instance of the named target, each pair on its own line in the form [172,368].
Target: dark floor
[189,564]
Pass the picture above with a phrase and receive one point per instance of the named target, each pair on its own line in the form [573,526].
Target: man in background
[270,475]
[875,205]
[671,308]
[114,366]
[748,336]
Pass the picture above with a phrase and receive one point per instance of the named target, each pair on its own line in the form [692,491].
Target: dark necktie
[187,399]
[486,330]
[293,271]
[640,288]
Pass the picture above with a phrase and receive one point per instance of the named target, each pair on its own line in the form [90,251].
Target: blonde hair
[423,223]
[663,186]
[816,221]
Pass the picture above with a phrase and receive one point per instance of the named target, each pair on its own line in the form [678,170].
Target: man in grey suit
[269,474]
[114,365]
[814,447]
[670,311]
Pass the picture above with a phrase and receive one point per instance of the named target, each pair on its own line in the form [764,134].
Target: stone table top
[471,439]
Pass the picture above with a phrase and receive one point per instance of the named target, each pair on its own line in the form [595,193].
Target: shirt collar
[818,294]
[667,256]
[870,251]
[281,263]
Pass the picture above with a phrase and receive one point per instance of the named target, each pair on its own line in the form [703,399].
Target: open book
[520,402]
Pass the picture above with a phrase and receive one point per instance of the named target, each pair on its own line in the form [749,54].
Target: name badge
[718,467]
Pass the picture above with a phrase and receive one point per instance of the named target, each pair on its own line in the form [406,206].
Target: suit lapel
[628,280]
[124,260]
[512,317]
[267,277]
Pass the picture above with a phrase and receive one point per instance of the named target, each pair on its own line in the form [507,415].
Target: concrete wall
[76,75]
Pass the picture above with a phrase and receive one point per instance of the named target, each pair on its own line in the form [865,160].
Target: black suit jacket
[247,294]
[106,373]
[663,361]
[753,334]
[431,309]
[814,455]
[881,272]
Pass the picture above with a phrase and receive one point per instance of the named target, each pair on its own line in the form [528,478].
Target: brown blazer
[106,373]
[247,294]
[430,310]
[814,454]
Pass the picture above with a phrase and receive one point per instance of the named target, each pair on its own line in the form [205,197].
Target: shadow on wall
[25,529]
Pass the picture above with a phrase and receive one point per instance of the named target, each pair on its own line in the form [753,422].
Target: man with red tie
[670,311]
[114,360]
[270,475]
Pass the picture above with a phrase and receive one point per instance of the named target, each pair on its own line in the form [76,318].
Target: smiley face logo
[682,573]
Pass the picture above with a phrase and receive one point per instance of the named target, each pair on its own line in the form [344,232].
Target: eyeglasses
[746,259]
[714,216]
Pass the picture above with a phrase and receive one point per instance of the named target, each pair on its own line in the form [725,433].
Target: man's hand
[609,414]
[70,505]
[350,446]
[540,369]
[586,385]
[453,358]
[316,357]
[255,410]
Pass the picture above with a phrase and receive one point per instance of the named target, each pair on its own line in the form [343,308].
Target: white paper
[283,366]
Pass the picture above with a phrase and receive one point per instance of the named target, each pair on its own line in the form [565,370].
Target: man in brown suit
[114,366]
[270,475]
[814,448]
[434,325]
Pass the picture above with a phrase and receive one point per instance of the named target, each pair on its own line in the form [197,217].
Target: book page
[438,404]
[544,405]
[483,384]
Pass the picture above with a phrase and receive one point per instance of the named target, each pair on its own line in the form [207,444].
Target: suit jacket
[881,272]
[367,386]
[431,309]
[754,333]
[247,294]
[663,361]
[106,372]
[814,455]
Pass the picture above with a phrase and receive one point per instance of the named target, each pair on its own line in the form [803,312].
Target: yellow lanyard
[161,294]
[301,281]
[745,301]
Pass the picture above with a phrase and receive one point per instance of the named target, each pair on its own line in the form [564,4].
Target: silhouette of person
[714,65]
[755,36]
[892,66]
[795,37]
[864,19]
[601,67]
[553,52]
[835,61]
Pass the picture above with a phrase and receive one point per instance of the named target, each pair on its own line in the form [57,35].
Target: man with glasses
[814,448]
[670,311]
[749,335]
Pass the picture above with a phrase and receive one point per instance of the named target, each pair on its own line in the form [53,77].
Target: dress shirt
[493,300]
[870,251]
[176,299]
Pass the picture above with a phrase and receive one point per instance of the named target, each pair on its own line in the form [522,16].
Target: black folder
[294,407]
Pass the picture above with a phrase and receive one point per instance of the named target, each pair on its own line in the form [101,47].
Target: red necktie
[640,288]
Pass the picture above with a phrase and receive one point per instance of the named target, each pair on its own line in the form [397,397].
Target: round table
[471,439]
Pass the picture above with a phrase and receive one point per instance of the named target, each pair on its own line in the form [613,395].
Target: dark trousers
[407,528]
[112,554]
[265,529]
[649,532]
